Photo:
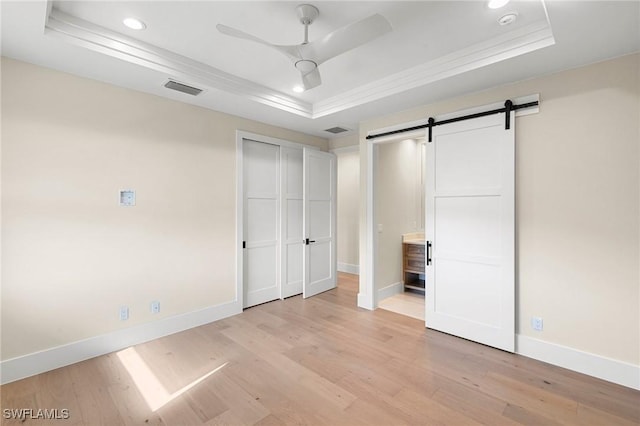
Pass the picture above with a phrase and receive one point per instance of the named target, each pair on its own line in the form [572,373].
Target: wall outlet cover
[536,323]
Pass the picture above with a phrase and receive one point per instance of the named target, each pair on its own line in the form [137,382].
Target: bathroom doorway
[399,212]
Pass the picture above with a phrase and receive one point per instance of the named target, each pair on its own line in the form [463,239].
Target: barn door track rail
[508,107]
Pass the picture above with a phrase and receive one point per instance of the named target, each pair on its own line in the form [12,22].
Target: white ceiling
[436,50]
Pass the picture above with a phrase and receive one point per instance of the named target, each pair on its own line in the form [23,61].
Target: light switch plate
[127,197]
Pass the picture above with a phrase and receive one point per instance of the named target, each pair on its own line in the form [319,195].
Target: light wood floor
[405,303]
[320,361]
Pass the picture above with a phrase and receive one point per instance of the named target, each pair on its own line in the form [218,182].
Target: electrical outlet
[536,323]
[379,227]
[155,307]
[124,313]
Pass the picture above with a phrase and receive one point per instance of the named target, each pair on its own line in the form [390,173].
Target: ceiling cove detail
[102,40]
[88,35]
[509,45]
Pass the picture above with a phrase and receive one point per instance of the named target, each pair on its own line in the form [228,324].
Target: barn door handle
[428,253]
[307,241]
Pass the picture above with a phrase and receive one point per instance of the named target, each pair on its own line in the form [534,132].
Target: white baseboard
[604,368]
[390,290]
[612,370]
[348,268]
[38,362]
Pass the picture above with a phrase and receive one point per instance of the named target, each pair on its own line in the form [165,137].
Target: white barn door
[261,184]
[319,222]
[470,223]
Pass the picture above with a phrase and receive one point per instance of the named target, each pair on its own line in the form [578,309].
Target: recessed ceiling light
[298,89]
[497,4]
[134,24]
[507,19]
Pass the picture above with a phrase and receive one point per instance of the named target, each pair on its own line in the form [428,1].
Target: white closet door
[470,220]
[292,230]
[319,222]
[261,183]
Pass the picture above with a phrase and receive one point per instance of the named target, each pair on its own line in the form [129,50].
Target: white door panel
[320,219]
[470,220]
[469,164]
[261,187]
[292,160]
[261,278]
[468,225]
[294,273]
[319,222]
[460,297]
[292,221]
[318,167]
[260,165]
[261,215]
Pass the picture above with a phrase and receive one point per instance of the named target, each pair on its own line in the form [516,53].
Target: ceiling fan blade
[311,79]
[346,38]
[291,52]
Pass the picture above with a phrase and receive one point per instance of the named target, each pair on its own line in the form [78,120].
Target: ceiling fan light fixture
[497,4]
[306,56]
[134,24]
[305,66]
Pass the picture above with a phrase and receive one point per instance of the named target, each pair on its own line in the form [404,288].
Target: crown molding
[524,40]
[99,39]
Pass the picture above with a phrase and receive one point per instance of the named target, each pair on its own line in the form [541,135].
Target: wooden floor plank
[244,408]
[320,361]
[485,410]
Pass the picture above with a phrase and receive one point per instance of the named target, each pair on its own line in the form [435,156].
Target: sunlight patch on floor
[155,395]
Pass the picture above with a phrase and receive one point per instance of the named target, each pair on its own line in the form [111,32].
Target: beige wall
[348,208]
[344,141]
[577,204]
[70,255]
[397,203]
[346,149]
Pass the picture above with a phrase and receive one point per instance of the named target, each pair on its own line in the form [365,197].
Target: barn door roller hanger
[431,123]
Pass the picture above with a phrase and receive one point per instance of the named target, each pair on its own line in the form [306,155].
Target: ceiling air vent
[174,85]
[336,130]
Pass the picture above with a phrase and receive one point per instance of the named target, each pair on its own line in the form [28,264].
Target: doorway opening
[469,212]
[399,213]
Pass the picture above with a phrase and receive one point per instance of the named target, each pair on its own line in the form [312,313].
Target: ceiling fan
[307,56]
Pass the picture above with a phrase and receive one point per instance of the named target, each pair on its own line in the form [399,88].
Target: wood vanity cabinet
[413,265]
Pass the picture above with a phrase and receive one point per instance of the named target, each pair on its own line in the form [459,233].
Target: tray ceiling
[436,49]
